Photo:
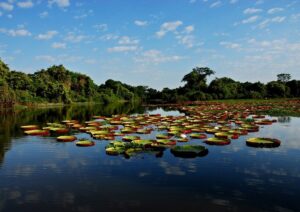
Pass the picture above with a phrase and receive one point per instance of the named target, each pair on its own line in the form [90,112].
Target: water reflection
[284,119]
[38,173]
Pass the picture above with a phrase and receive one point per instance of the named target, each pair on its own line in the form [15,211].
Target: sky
[153,42]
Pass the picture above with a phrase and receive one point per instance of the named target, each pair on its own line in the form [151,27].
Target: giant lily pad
[163,136]
[29,127]
[198,135]
[85,143]
[189,151]
[66,138]
[115,150]
[37,132]
[263,142]
[226,135]
[130,138]
[144,143]
[217,141]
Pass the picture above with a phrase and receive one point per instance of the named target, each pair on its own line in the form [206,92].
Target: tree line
[56,84]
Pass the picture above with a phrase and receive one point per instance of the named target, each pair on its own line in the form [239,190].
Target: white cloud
[47,58]
[25,4]
[189,29]
[230,45]
[44,14]
[261,55]
[0,13]
[268,21]
[82,16]
[249,11]
[122,49]
[140,23]
[57,45]
[215,4]
[71,37]
[251,19]
[101,27]
[63,58]
[16,32]
[186,40]
[108,37]
[59,3]
[155,56]
[168,27]
[6,6]
[48,35]
[233,1]
[278,19]
[295,17]
[125,40]
[275,10]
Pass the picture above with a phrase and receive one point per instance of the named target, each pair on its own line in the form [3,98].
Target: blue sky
[152,42]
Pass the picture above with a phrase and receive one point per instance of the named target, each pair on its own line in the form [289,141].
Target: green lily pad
[198,135]
[66,138]
[37,132]
[217,141]
[143,143]
[226,135]
[85,143]
[115,150]
[130,138]
[263,142]
[29,127]
[162,136]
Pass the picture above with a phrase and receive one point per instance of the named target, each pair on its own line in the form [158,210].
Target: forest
[57,84]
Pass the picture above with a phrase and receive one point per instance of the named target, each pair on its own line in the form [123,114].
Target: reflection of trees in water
[284,119]
[11,120]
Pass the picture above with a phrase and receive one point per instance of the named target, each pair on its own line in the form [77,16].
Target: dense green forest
[59,85]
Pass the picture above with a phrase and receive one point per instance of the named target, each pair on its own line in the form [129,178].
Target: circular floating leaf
[66,138]
[163,136]
[130,138]
[29,127]
[198,135]
[37,132]
[226,135]
[144,143]
[115,150]
[59,130]
[189,151]
[182,139]
[263,142]
[85,143]
[217,141]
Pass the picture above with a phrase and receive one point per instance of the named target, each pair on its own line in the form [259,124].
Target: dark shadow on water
[11,120]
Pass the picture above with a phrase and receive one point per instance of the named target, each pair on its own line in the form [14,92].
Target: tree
[224,88]
[276,89]
[283,77]
[196,79]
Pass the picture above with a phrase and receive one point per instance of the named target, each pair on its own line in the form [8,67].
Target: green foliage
[276,89]
[283,77]
[59,85]
[196,79]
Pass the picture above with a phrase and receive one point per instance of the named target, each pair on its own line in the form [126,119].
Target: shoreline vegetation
[56,86]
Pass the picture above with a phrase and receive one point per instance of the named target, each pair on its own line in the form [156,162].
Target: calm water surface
[40,174]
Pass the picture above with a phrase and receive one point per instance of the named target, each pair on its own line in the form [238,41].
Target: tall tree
[196,79]
[283,77]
